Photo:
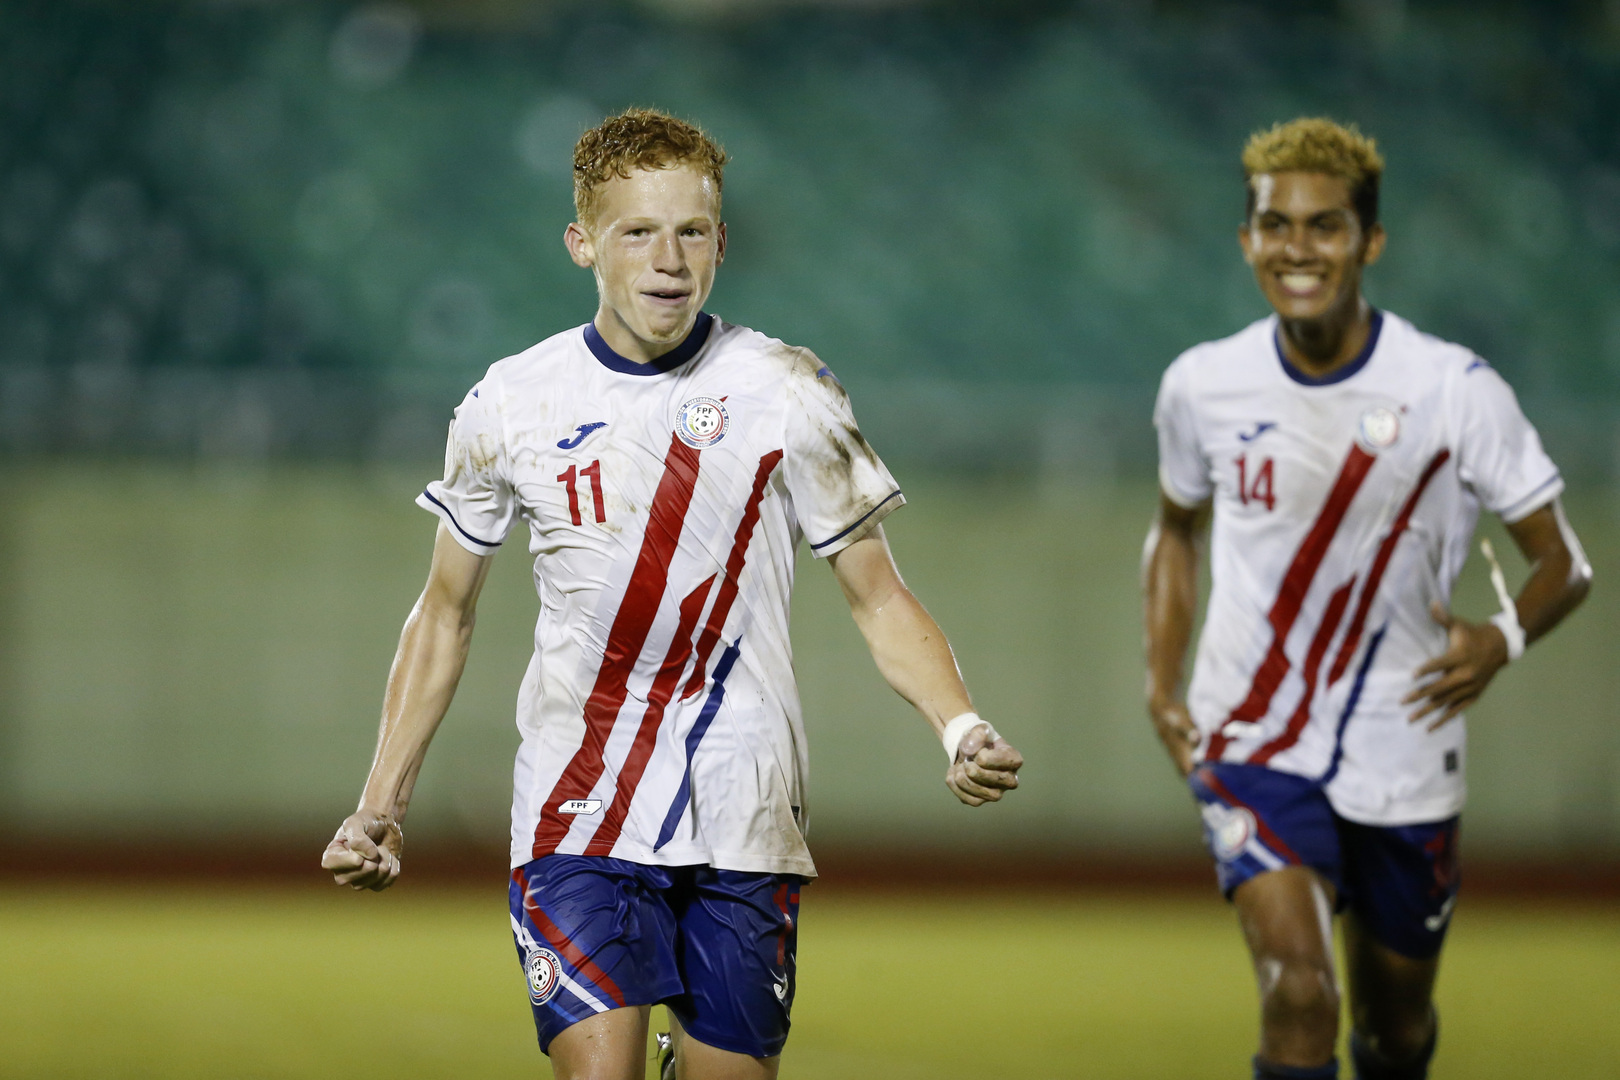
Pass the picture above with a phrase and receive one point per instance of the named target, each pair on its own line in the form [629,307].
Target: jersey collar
[671,360]
[1333,376]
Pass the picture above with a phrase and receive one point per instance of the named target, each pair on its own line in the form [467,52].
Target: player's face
[1306,244]
[654,247]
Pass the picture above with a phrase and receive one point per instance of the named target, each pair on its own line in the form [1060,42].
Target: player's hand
[1475,652]
[366,851]
[984,768]
[1176,730]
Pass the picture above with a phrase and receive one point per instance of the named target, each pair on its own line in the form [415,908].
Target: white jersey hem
[1539,496]
[739,861]
[1177,496]
[862,528]
[1403,813]
[462,537]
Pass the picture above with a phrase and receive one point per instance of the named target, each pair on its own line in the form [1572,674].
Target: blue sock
[1264,1070]
[1372,1066]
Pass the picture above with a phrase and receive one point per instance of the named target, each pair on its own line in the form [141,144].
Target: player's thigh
[697,1060]
[1287,920]
[737,943]
[609,1045]
[595,936]
[1403,883]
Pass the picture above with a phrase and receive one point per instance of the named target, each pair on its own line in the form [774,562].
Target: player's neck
[630,345]
[1321,346]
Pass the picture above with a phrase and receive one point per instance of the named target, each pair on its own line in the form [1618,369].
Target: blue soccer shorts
[1400,881]
[716,946]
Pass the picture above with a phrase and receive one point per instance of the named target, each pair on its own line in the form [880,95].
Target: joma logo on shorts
[581,806]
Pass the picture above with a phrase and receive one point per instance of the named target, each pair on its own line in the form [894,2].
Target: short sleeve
[475,498]
[1499,453]
[840,488]
[1184,471]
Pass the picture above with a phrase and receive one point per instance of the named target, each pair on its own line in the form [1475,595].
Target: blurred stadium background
[252,253]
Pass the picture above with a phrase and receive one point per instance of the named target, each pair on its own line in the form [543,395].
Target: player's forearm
[1556,587]
[1170,602]
[1560,575]
[427,668]
[914,657]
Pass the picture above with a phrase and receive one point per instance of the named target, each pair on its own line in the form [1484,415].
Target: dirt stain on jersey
[840,452]
[483,453]
[475,438]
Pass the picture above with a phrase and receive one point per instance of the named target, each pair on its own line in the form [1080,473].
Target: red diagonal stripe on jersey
[1267,837]
[625,640]
[1358,622]
[1313,664]
[565,945]
[734,566]
[663,688]
[1291,594]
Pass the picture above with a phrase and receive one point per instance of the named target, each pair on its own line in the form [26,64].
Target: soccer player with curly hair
[666,465]
[1344,457]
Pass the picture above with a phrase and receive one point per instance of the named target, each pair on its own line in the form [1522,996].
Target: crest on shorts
[1378,429]
[1230,829]
[702,422]
[544,972]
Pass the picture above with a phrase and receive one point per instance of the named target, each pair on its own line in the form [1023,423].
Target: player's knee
[1302,994]
[1397,1048]
[1403,1041]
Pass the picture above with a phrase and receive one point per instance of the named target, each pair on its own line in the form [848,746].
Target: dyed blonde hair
[1316,144]
[638,139]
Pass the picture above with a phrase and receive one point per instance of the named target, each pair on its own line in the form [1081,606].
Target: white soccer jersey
[665,501]
[1343,507]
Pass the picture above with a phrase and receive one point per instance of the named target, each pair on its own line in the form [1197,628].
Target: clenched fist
[984,768]
[366,851]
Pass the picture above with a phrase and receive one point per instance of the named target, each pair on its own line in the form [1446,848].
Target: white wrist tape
[1506,620]
[1508,623]
[959,727]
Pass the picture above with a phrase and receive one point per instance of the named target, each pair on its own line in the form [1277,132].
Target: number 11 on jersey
[1262,491]
[569,479]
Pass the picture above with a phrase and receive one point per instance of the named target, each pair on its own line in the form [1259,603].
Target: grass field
[184,982]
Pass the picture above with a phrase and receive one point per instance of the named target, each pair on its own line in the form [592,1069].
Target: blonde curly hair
[639,139]
[1317,144]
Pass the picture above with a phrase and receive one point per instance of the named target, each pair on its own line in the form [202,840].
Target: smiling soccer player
[666,466]
[1344,456]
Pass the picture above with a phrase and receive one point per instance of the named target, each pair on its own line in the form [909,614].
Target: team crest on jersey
[1230,829]
[702,422]
[545,974]
[1379,428]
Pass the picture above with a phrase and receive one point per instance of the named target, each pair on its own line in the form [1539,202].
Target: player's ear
[1245,241]
[579,244]
[1374,247]
[720,249]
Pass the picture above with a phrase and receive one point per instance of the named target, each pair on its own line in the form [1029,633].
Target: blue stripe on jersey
[1350,706]
[1333,376]
[833,539]
[671,360]
[428,495]
[710,709]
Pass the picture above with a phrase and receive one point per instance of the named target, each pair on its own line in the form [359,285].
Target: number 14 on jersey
[1263,488]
